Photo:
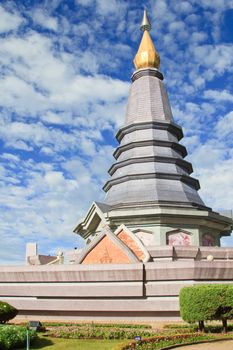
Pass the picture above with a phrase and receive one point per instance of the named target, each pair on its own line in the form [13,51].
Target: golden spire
[147,56]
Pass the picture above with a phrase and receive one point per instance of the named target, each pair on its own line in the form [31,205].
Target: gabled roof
[93,218]
[133,242]
[98,250]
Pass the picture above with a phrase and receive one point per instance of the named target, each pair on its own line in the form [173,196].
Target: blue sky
[65,76]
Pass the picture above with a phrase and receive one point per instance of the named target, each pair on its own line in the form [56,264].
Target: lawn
[76,344]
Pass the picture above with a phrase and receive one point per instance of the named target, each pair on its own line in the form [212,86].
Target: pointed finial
[145,25]
[147,56]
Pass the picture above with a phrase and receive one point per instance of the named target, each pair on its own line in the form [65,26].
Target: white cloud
[212,163]
[100,164]
[77,170]
[192,116]
[183,7]
[48,204]
[105,7]
[224,126]
[98,88]
[57,118]
[208,154]
[20,96]
[191,142]
[54,179]
[193,18]
[43,19]
[176,26]
[9,20]
[198,37]
[10,157]
[214,181]
[217,4]
[46,81]
[84,2]
[218,95]
[51,5]
[199,82]
[19,145]
[218,57]
[160,10]
[8,254]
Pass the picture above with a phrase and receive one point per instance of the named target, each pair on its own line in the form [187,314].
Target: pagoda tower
[151,189]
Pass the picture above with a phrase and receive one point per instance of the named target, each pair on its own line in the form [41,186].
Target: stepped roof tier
[151,189]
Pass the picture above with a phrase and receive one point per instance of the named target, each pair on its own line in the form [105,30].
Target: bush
[207,302]
[7,312]
[12,337]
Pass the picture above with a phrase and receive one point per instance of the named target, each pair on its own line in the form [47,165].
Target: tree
[7,312]
[207,302]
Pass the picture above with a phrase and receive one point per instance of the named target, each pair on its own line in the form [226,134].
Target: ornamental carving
[208,240]
[179,238]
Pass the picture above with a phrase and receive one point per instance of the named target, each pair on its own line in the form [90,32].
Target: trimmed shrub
[7,312]
[13,337]
[207,302]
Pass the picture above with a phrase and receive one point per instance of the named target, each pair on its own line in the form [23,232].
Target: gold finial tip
[147,56]
[145,25]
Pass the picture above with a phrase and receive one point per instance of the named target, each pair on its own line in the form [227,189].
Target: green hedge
[7,312]
[207,302]
[13,337]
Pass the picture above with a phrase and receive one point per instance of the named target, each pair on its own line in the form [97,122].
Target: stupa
[151,236]
[151,189]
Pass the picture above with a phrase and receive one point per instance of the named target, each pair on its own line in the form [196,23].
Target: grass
[76,344]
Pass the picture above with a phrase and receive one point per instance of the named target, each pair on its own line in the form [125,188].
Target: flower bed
[92,331]
[96,325]
[161,341]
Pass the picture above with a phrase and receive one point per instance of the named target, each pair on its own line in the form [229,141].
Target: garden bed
[115,336]
[98,331]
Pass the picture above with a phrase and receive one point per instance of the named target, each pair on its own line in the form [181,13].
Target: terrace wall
[114,291]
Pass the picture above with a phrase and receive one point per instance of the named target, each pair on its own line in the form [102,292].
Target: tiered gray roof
[150,165]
